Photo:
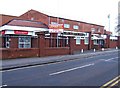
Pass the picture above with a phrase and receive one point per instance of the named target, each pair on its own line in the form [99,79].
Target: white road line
[71,69]
[108,59]
[3,86]
[111,59]
[50,64]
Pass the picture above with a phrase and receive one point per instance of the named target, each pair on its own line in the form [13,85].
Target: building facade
[34,34]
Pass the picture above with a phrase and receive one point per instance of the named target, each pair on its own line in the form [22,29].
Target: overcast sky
[91,11]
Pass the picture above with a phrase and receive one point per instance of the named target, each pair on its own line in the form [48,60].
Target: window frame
[54,22]
[66,25]
[24,42]
[78,41]
[86,38]
[76,27]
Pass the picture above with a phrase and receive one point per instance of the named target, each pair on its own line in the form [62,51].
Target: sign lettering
[20,32]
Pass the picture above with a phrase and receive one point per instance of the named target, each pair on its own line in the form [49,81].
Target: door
[7,42]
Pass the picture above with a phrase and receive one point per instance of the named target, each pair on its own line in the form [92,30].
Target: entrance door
[102,43]
[7,42]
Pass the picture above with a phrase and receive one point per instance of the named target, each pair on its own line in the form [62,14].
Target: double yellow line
[112,83]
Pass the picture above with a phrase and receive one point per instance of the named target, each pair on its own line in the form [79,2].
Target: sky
[91,11]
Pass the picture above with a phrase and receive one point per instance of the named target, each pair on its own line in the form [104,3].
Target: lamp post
[109,21]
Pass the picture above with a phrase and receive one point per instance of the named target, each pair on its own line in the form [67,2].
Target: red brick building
[30,35]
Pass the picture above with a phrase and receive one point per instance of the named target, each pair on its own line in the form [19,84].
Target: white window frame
[54,23]
[67,40]
[93,30]
[25,43]
[86,40]
[78,40]
[99,30]
[66,25]
[95,42]
[75,27]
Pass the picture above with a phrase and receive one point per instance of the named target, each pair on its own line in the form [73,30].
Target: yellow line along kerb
[110,82]
[115,83]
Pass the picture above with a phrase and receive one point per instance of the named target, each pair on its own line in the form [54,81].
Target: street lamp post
[109,21]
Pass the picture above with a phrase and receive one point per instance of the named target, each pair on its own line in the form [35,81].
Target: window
[96,42]
[93,30]
[32,18]
[86,41]
[66,25]
[24,42]
[75,27]
[77,40]
[54,23]
[7,41]
[67,41]
[62,20]
[98,29]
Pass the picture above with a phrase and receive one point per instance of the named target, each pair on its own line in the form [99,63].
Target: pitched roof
[37,14]
[27,23]
[5,19]
[77,21]
[34,15]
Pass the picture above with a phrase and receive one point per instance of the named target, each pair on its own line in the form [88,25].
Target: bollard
[116,47]
[82,50]
[94,50]
[103,49]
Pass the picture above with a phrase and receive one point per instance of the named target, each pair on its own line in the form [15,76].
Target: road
[92,71]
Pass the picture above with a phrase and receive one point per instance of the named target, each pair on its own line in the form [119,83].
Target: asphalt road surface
[93,71]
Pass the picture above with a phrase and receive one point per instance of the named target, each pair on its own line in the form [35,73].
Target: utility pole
[109,21]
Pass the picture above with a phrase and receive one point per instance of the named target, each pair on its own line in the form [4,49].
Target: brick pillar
[53,40]
[108,41]
[41,43]
[71,45]
[118,42]
[1,38]
[90,42]
[13,42]
[3,42]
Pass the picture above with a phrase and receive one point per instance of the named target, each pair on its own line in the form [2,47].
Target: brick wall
[19,53]
[34,42]
[113,44]
[14,42]
[118,42]
[0,42]
[56,51]
[47,42]
[5,19]
[78,47]
[34,15]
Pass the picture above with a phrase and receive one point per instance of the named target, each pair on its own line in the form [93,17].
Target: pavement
[24,62]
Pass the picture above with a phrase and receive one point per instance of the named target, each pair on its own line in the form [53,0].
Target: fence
[56,41]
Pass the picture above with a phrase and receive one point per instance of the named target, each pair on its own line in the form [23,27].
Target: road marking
[110,82]
[114,83]
[3,86]
[49,64]
[71,69]
[111,59]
